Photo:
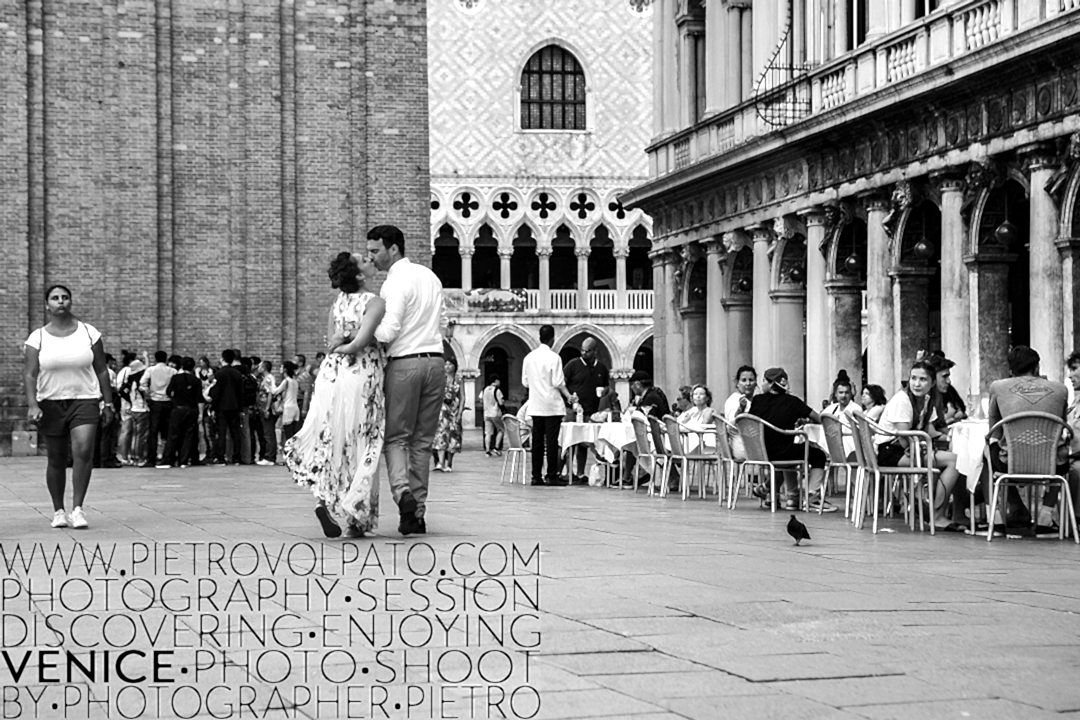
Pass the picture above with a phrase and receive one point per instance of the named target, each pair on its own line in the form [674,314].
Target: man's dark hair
[1023,361]
[289,367]
[161,356]
[1073,360]
[303,359]
[126,356]
[547,334]
[187,364]
[228,356]
[176,360]
[389,236]
[245,364]
[109,358]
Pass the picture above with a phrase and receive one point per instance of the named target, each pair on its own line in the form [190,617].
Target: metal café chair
[728,465]
[834,440]
[515,451]
[910,475]
[645,454]
[689,461]
[661,451]
[1031,443]
[752,429]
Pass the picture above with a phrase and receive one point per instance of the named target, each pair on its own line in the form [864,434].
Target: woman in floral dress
[336,453]
[448,436]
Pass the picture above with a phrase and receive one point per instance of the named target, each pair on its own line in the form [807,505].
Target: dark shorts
[889,454]
[59,416]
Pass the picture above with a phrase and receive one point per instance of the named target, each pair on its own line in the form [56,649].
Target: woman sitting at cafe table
[912,408]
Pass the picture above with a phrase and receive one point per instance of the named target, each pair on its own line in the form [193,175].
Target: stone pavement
[649,608]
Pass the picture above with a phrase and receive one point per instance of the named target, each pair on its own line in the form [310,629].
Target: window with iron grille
[552,91]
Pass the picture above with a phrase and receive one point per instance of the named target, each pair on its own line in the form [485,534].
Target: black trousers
[183,437]
[159,426]
[228,421]
[545,442]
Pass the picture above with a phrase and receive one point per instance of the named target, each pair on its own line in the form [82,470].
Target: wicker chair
[752,429]
[834,441]
[515,452]
[729,466]
[645,455]
[1032,440]
[689,461]
[911,476]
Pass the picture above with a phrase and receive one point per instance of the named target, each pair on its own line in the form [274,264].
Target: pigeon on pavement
[797,530]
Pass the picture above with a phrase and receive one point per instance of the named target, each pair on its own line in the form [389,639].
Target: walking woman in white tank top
[66,382]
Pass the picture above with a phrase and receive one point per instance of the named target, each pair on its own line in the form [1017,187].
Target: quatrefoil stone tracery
[616,208]
[465,204]
[582,205]
[544,205]
[504,205]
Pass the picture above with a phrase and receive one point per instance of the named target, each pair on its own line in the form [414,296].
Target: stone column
[911,309]
[988,279]
[1045,299]
[675,361]
[716,326]
[840,40]
[880,368]
[621,253]
[715,72]
[504,267]
[845,341]
[466,267]
[732,68]
[762,310]
[544,254]
[665,39]
[746,44]
[955,305]
[621,377]
[1070,286]
[661,306]
[788,341]
[582,279]
[818,332]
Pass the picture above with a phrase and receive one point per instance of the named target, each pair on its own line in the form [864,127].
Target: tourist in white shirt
[542,374]
[66,381]
[842,407]
[155,382]
[415,380]
[738,403]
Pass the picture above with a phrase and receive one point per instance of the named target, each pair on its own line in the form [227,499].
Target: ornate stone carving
[905,194]
[1057,182]
[734,241]
[979,176]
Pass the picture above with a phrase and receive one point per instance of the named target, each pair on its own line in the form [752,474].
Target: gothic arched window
[552,91]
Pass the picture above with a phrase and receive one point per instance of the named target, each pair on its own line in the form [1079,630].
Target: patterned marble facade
[882,185]
[526,224]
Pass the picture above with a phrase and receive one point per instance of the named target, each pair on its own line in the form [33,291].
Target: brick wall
[189,167]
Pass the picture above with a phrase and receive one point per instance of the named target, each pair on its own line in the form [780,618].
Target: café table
[968,440]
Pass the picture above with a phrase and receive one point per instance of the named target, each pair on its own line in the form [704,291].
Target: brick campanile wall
[189,167]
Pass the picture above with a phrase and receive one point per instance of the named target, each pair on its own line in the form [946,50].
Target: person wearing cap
[785,411]
[1025,391]
[646,398]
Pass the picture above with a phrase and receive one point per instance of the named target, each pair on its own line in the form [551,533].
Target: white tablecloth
[575,433]
[613,437]
[968,441]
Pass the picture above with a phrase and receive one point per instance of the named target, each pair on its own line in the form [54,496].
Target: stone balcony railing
[941,37]
[529,301]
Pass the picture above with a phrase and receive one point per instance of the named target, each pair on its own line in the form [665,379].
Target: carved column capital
[813,216]
[543,252]
[466,251]
[948,181]
[506,253]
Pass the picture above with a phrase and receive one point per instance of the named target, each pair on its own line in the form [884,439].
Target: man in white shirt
[154,383]
[542,373]
[415,380]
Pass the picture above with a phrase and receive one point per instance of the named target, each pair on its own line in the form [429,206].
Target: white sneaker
[263,461]
[78,520]
[59,519]
[163,466]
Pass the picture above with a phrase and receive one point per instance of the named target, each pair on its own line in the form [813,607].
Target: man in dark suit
[226,398]
[586,378]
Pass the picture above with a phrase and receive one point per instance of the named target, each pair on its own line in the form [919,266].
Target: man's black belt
[417,355]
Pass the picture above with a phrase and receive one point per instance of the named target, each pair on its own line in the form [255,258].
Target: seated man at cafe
[1073,418]
[787,412]
[1025,391]
[646,398]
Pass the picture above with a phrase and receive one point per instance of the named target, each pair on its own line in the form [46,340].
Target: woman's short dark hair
[289,367]
[877,394]
[48,291]
[708,393]
[344,273]
[925,366]
[745,368]
[1073,360]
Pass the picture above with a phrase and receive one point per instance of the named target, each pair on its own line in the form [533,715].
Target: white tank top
[66,364]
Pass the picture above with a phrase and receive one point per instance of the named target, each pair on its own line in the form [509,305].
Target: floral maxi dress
[336,453]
